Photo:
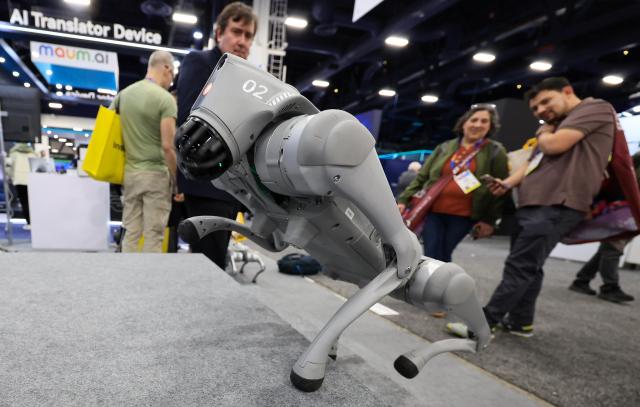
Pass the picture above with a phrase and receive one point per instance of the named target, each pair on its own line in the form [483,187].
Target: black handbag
[298,264]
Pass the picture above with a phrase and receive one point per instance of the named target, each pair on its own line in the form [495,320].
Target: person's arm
[552,142]
[419,181]
[499,187]
[167,133]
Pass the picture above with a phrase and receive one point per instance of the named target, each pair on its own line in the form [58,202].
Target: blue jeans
[442,233]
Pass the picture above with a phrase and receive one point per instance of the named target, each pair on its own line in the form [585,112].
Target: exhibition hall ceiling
[582,40]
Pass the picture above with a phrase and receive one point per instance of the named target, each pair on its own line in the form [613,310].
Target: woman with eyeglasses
[465,203]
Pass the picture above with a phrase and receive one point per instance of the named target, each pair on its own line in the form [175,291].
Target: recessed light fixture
[55,105]
[2,60]
[518,86]
[336,90]
[68,144]
[58,93]
[49,72]
[58,86]
[15,73]
[68,87]
[387,92]
[320,83]
[53,150]
[62,140]
[484,57]
[396,41]
[79,2]
[184,18]
[540,66]
[429,98]
[296,22]
[197,35]
[625,52]
[27,85]
[48,131]
[613,79]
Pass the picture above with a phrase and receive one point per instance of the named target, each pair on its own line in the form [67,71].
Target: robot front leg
[308,372]
[447,285]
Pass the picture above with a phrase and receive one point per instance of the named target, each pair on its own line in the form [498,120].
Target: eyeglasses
[488,106]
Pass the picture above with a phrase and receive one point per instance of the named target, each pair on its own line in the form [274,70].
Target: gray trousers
[605,260]
[539,229]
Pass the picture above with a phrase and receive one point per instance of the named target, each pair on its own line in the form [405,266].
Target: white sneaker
[458,329]
[26,227]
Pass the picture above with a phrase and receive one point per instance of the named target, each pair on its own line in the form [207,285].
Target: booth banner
[77,67]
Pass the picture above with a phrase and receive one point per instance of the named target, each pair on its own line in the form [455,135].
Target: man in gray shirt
[555,190]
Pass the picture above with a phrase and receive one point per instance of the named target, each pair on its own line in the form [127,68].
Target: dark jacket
[492,159]
[194,73]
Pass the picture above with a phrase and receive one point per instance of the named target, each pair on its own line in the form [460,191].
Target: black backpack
[298,264]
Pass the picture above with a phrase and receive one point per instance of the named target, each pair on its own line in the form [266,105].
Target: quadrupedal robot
[312,179]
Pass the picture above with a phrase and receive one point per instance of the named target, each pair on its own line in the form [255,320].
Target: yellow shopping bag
[104,160]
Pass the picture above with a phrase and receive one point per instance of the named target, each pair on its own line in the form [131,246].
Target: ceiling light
[107,91]
[518,86]
[48,131]
[79,2]
[54,105]
[49,72]
[15,73]
[541,121]
[540,66]
[295,22]
[197,35]
[55,136]
[58,93]
[320,83]
[62,140]
[68,144]
[335,90]
[625,52]
[58,86]
[53,150]
[613,79]
[387,92]
[636,109]
[68,87]
[2,60]
[395,41]
[27,85]
[429,98]
[184,18]
[484,57]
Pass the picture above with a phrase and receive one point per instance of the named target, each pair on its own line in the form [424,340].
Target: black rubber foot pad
[406,367]
[188,232]
[306,385]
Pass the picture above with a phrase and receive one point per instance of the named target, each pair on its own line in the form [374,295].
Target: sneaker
[525,331]
[461,330]
[582,288]
[615,295]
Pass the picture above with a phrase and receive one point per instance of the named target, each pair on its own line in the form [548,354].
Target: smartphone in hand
[487,179]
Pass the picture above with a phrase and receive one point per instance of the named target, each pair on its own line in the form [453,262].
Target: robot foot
[306,385]
[406,367]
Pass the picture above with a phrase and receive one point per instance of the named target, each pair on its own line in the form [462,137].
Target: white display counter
[68,212]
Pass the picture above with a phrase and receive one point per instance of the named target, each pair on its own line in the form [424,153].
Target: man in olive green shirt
[148,117]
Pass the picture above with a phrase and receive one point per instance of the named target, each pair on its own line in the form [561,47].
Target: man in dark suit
[234,32]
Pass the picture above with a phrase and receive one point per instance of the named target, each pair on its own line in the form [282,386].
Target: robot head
[235,105]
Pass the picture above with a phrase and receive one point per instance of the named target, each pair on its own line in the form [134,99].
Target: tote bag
[615,212]
[105,158]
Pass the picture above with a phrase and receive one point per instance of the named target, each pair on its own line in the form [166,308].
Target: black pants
[606,261]
[214,245]
[23,196]
[539,229]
